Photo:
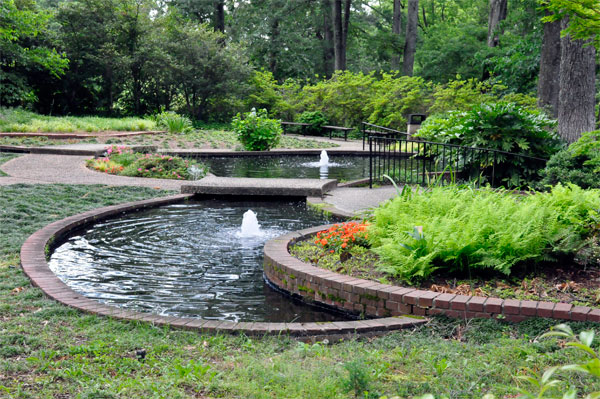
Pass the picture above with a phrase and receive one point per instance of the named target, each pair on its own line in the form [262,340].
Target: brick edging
[35,266]
[374,299]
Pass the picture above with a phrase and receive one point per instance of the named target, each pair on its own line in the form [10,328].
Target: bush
[500,126]
[173,122]
[579,164]
[123,161]
[316,119]
[256,131]
[461,230]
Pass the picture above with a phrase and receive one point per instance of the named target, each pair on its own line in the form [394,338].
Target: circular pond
[187,260]
[340,167]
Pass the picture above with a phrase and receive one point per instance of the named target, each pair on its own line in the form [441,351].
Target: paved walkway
[69,169]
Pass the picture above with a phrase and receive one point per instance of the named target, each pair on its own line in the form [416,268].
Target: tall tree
[498,11]
[577,87]
[327,39]
[396,30]
[548,80]
[219,16]
[341,21]
[410,46]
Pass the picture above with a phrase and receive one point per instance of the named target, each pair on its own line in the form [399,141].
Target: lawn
[195,139]
[19,120]
[50,351]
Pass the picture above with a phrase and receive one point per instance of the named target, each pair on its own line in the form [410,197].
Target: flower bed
[123,161]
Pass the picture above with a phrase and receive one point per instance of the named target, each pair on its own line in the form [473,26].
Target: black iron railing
[425,162]
[371,130]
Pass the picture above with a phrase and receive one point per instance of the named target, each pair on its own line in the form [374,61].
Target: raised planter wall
[373,299]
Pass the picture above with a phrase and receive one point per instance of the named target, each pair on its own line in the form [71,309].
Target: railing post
[494,170]
[370,159]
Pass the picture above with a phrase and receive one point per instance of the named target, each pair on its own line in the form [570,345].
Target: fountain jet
[250,226]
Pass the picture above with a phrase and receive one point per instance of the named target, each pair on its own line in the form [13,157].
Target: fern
[483,229]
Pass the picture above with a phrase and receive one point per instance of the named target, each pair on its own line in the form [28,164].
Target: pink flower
[139,169]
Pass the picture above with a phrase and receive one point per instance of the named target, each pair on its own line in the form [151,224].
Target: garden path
[69,169]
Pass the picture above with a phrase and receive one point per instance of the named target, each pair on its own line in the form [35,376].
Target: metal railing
[371,130]
[425,162]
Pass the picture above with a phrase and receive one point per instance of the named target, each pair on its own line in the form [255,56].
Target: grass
[50,351]
[195,139]
[19,120]
[5,157]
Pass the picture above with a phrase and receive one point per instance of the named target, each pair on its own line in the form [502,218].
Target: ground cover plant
[459,229]
[124,161]
[19,120]
[48,350]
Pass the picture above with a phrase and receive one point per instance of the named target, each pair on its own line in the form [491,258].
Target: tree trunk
[396,30]
[220,15]
[548,80]
[410,46]
[274,46]
[577,87]
[340,32]
[328,50]
[498,10]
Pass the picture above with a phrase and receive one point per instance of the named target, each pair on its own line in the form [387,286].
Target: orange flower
[323,241]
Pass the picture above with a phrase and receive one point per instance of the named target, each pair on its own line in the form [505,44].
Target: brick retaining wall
[373,299]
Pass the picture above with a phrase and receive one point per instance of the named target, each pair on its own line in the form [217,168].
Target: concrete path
[69,169]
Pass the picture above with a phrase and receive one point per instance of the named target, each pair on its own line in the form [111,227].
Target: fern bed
[481,242]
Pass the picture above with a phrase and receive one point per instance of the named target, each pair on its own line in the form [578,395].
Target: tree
[396,30]
[498,12]
[577,87]
[410,46]
[584,17]
[549,76]
[340,32]
[23,51]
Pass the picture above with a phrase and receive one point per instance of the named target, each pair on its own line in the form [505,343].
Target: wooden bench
[304,128]
[344,130]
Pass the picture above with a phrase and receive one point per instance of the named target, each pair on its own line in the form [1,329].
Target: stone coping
[217,185]
[373,299]
[35,266]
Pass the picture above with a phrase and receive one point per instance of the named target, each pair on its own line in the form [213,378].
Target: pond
[187,260]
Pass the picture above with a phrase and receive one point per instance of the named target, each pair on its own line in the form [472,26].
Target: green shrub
[500,126]
[462,230]
[123,161]
[173,122]
[316,119]
[579,164]
[256,131]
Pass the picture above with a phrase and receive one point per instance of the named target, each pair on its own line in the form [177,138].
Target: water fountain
[190,259]
[324,161]
[250,226]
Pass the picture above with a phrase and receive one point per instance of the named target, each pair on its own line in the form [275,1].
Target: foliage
[464,230]
[123,161]
[20,120]
[342,237]
[67,352]
[590,366]
[316,119]
[579,164]
[501,126]
[173,122]
[22,25]
[256,131]
[584,19]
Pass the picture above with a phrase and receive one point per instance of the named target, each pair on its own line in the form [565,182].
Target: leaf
[587,337]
